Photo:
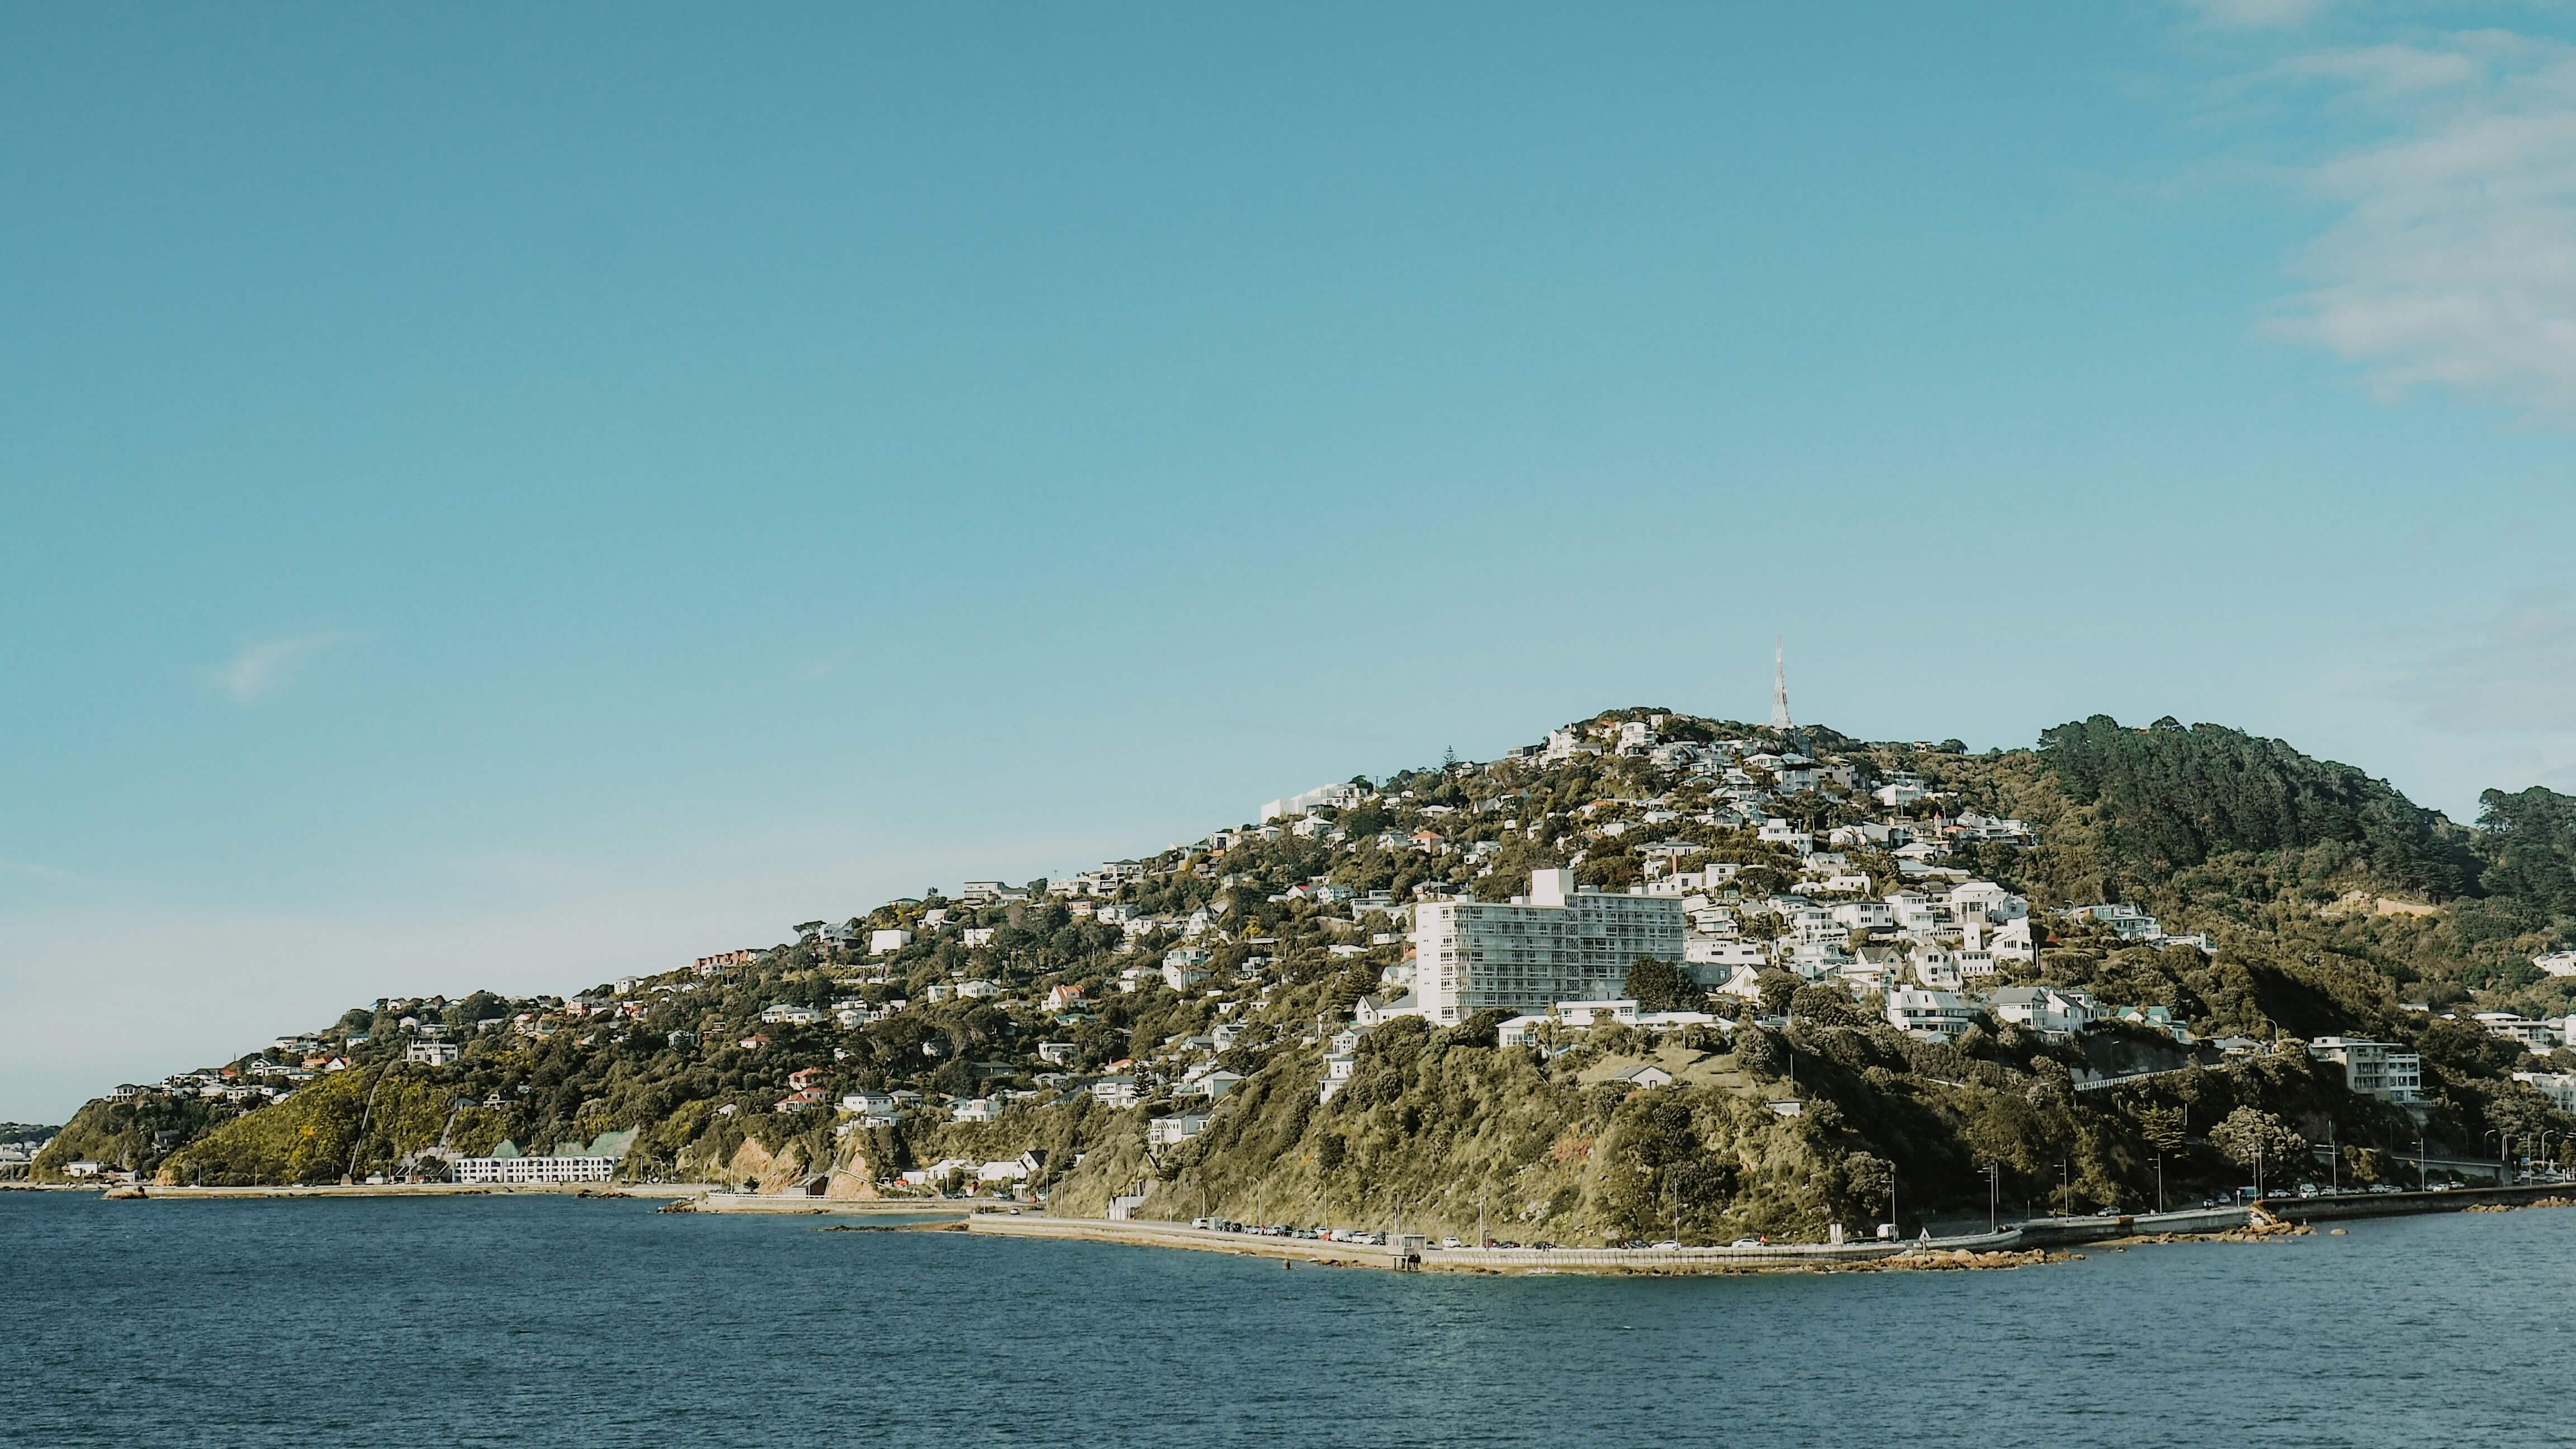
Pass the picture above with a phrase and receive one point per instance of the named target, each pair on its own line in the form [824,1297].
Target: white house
[2012,943]
[2127,922]
[977,1109]
[1337,1070]
[1864,915]
[1174,1130]
[1210,1081]
[431,1053]
[787,1014]
[1009,1169]
[1744,983]
[1942,1014]
[1723,952]
[1987,899]
[2046,1008]
[888,941]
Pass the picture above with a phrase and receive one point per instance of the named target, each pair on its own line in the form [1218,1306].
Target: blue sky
[506,499]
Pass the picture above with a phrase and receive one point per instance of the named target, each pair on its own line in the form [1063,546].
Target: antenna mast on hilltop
[1779,688]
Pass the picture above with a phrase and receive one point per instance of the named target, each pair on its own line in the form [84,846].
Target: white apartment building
[1555,944]
[431,1053]
[2377,1068]
[2556,963]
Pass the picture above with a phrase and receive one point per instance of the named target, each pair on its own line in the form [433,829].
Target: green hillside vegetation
[2330,903]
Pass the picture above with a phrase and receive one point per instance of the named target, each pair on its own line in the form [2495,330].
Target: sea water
[543,1320]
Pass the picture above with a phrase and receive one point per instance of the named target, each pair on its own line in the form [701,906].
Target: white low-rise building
[432,1053]
[2530,1035]
[524,1170]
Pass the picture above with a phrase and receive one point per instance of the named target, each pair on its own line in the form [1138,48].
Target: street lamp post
[1994,1195]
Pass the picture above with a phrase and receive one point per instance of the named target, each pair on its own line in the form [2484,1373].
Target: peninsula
[1652,979]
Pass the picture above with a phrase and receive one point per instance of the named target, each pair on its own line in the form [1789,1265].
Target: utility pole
[1994,1195]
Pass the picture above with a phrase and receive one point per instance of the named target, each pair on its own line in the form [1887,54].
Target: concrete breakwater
[2066,1232]
[781,1202]
[155,1192]
[1769,1258]
[2341,1206]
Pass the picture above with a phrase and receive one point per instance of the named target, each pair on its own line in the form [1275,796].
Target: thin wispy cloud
[262,669]
[2453,262]
[36,870]
[2257,14]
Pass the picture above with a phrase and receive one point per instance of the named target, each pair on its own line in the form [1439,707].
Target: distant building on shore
[595,1161]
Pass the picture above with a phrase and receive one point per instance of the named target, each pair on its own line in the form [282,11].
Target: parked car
[1450,1244]
[1747,1243]
[1667,1245]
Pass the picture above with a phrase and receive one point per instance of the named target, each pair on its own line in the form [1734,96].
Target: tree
[1778,989]
[1662,986]
[2163,1127]
[1871,1181]
[2256,1139]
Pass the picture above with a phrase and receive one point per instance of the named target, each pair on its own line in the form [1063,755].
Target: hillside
[1236,991]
